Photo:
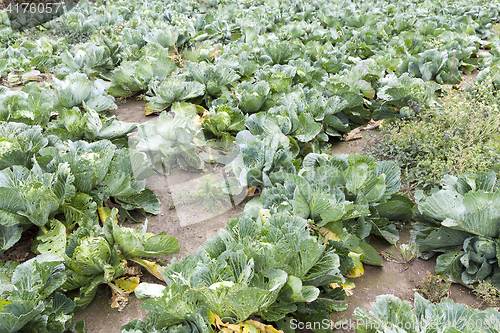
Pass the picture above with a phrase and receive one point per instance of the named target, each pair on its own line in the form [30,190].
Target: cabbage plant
[162,94]
[133,77]
[251,97]
[77,88]
[29,297]
[99,255]
[261,264]
[460,223]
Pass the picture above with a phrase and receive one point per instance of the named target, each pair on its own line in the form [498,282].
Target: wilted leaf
[150,266]
[121,288]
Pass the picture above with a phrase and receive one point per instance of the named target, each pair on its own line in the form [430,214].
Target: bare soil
[132,111]
[468,79]
[356,146]
[21,252]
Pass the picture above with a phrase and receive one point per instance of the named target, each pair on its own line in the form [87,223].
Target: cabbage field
[240,103]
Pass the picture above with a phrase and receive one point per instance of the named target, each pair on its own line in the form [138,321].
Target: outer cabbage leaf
[33,194]
[467,182]
[81,209]
[89,162]
[77,88]
[252,97]
[136,243]
[19,143]
[173,89]
[9,236]
[121,184]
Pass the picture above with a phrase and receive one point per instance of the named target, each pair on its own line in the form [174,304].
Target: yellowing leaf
[4,302]
[121,288]
[127,284]
[348,286]
[262,327]
[235,327]
[358,270]
[328,235]
[148,111]
[104,213]
[251,191]
[215,320]
[248,326]
[205,116]
[150,266]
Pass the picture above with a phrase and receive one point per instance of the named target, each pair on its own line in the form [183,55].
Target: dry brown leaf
[244,327]
[121,288]
[133,271]
[118,301]
[356,133]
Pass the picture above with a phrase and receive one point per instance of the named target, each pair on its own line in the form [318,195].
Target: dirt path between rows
[190,224]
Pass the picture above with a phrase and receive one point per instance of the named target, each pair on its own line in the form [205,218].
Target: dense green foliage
[45,179]
[321,65]
[353,190]
[261,87]
[261,264]
[27,299]
[347,195]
